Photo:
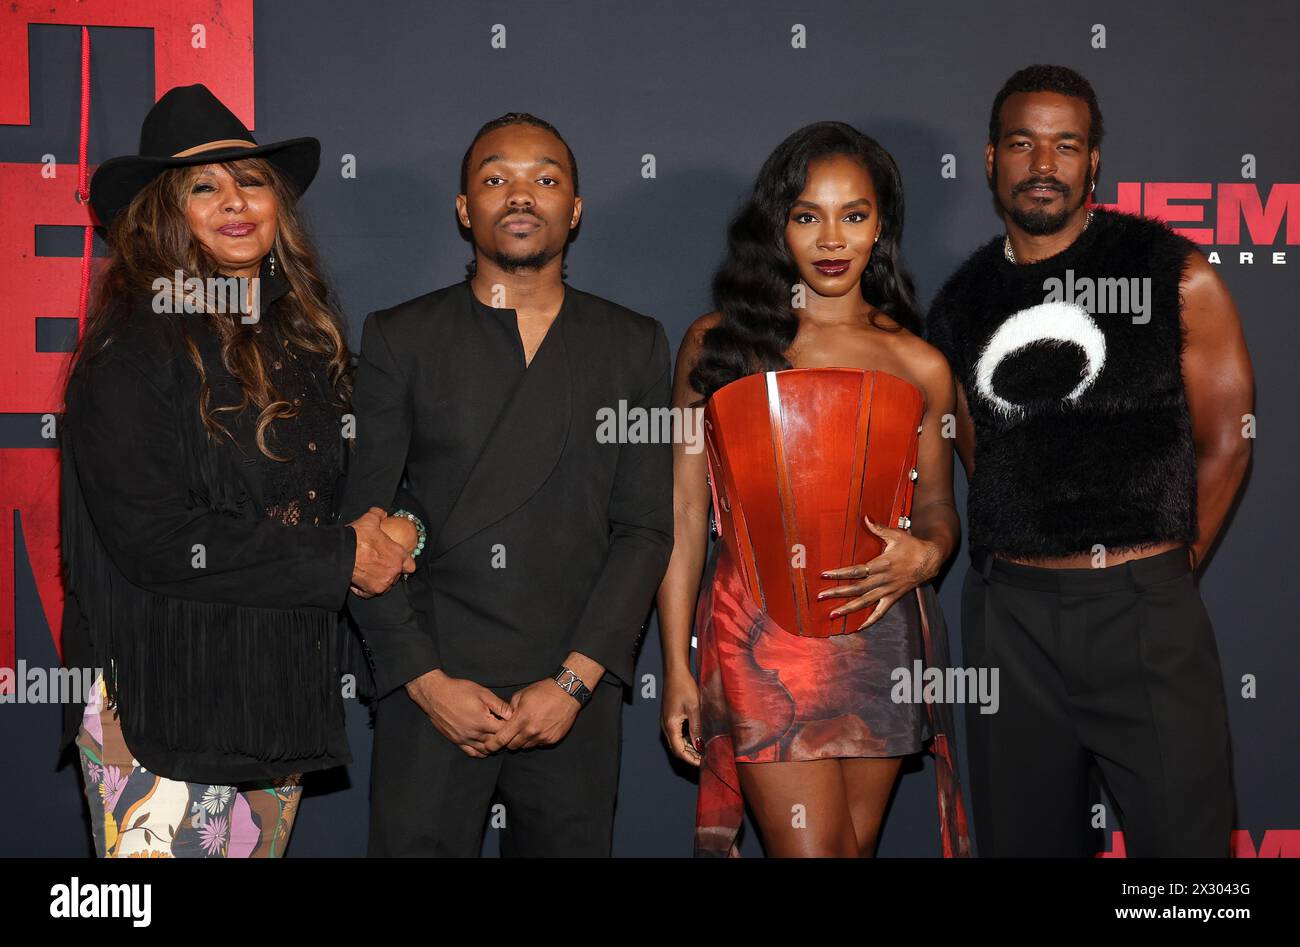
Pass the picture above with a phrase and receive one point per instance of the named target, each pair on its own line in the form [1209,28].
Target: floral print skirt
[768,696]
[137,814]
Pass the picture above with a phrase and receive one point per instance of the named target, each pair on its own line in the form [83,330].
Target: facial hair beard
[513,264]
[1039,222]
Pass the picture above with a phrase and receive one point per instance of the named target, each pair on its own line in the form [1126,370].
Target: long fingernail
[699,744]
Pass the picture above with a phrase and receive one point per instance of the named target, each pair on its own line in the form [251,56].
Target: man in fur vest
[1103,377]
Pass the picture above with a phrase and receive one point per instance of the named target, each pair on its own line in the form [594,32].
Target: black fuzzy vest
[1082,433]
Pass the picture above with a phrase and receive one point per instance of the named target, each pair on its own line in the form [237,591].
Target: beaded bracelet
[419,529]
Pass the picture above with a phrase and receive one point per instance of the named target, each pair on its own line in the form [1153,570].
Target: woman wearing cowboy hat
[202,448]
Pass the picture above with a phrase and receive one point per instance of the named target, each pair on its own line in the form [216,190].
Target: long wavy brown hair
[152,238]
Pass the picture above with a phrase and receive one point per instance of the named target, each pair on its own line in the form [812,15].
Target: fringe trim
[200,677]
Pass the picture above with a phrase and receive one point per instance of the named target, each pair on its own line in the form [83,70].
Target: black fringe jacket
[217,627]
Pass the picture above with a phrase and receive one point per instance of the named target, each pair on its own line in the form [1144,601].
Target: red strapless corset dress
[796,459]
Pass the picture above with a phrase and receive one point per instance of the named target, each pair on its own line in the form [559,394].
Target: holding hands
[384,547]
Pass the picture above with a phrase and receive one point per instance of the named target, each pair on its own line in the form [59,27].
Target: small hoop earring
[270,259]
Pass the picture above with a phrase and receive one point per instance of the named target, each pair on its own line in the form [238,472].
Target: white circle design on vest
[1046,322]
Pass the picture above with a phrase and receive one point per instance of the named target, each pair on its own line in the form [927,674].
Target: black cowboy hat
[188,126]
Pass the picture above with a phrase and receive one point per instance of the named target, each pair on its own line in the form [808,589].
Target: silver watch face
[570,683]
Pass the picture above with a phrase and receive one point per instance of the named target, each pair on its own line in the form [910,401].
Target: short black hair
[1059,79]
[516,118]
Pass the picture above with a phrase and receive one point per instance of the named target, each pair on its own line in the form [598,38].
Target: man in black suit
[499,666]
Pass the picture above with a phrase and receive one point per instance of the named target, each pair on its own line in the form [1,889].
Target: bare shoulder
[1197,268]
[1201,280]
[1206,301]
[694,338]
[926,356]
[923,360]
[688,356]
[702,325]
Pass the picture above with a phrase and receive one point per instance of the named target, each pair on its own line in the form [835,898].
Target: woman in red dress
[830,483]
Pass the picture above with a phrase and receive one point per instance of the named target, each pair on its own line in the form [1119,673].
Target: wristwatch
[572,685]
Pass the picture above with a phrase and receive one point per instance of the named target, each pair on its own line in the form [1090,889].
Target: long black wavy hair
[753,286]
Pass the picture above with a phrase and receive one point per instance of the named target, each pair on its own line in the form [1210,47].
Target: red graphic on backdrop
[35,285]
[29,484]
[208,41]
[1271,218]
[224,64]
[1276,843]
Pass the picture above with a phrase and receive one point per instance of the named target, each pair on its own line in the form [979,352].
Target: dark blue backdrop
[1187,89]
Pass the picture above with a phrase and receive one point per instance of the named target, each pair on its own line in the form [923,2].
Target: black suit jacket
[541,538]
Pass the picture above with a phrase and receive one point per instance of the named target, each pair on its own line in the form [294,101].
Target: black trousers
[429,798]
[1114,668]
